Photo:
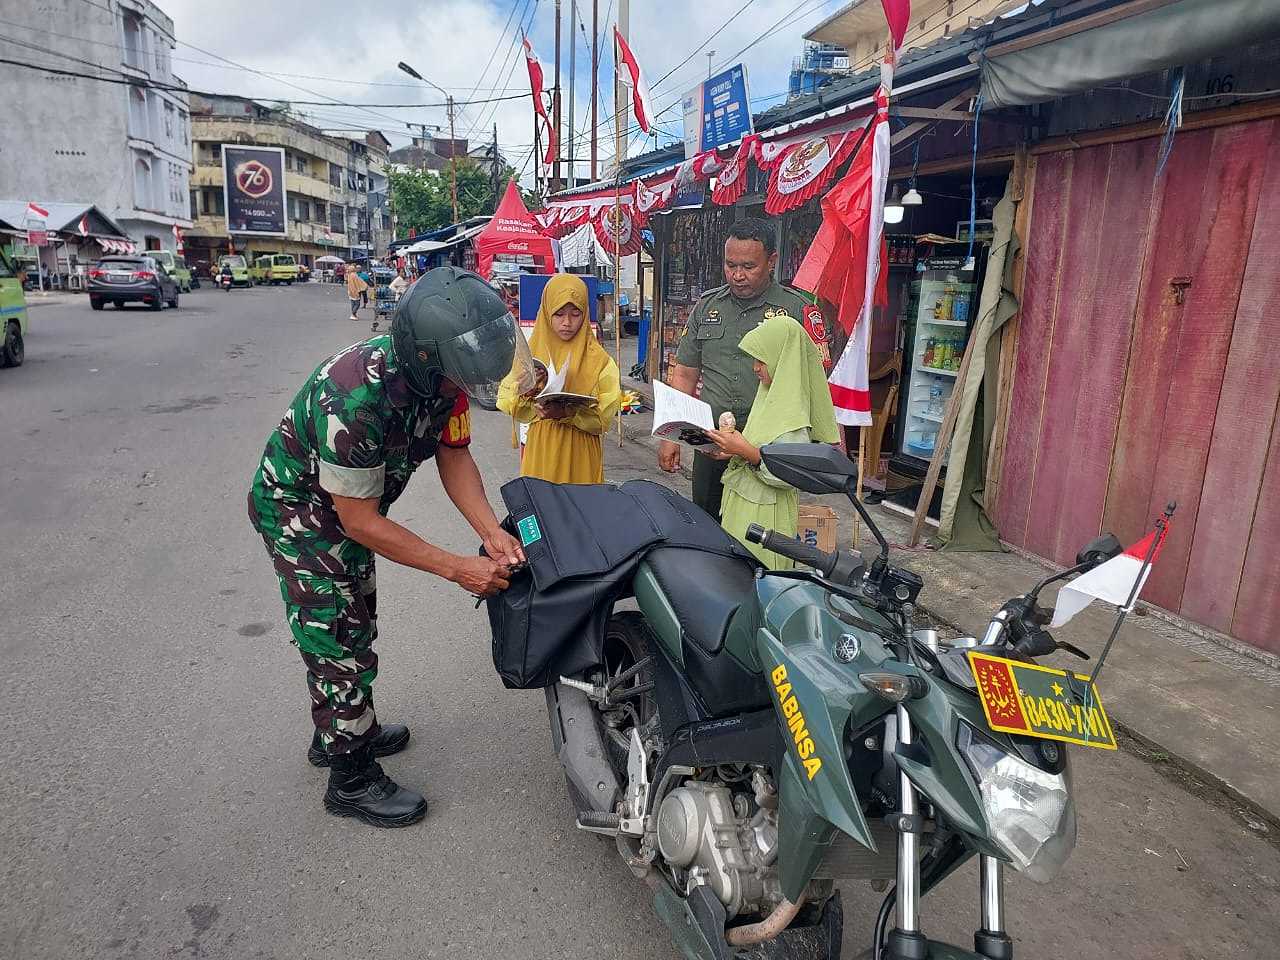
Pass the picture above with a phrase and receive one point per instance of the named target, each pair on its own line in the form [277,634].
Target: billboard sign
[37,233]
[717,112]
[253,183]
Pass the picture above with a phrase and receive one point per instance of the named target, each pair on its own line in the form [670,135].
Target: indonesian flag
[843,264]
[639,89]
[177,237]
[36,212]
[898,15]
[539,104]
[83,226]
[1112,581]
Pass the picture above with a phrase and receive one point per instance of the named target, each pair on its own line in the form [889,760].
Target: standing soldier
[359,427]
[709,347]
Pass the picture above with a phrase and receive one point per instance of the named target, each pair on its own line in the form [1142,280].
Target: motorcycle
[226,281]
[747,738]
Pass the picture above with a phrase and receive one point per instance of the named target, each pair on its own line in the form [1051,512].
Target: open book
[553,391]
[678,416]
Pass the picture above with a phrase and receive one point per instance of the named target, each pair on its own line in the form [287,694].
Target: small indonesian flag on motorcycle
[1112,581]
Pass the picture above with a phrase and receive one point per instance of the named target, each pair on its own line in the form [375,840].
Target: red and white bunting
[650,199]
[619,225]
[800,171]
[731,183]
[629,72]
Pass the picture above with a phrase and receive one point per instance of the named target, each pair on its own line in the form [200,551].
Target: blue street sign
[717,111]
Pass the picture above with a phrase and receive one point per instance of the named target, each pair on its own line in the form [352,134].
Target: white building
[123,146]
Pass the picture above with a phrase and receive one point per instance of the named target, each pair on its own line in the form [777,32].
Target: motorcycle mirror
[811,467]
[1099,550]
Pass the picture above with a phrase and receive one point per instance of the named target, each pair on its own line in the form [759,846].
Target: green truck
[13,313]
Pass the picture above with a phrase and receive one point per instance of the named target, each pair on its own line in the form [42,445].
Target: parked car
[131,279]
[177,268]
[274,268]
[13,313]
[239,269]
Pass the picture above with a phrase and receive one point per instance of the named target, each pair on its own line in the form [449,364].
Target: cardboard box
[816,526]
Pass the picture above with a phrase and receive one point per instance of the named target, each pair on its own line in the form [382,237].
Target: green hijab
[799,396]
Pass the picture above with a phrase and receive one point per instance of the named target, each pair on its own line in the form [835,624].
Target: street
[156,798]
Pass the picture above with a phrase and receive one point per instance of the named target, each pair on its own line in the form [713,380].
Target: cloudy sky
[329,51]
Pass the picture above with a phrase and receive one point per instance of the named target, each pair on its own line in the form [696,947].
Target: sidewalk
[52,298]
[1209,707]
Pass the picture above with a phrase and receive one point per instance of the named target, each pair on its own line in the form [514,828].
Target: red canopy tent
[513,232]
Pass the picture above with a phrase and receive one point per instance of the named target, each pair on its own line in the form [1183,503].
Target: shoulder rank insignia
[769,313]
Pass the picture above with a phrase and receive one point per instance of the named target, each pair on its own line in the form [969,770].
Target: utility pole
[453,163]
[497,187]
[555,111]
[595,83]
[573,82]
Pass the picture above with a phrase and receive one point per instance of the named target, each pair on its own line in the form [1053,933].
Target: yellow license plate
[1036,701]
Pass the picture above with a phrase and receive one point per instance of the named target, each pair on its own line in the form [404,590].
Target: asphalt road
[154,796]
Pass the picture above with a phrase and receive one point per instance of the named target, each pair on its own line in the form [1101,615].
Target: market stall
[513,237]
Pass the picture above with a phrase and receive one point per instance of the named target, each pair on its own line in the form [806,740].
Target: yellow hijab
[584,355]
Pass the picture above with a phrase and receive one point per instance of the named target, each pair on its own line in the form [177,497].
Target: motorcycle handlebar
[793,549]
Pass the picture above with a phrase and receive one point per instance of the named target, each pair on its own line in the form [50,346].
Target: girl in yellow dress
[792,405]
[565,444]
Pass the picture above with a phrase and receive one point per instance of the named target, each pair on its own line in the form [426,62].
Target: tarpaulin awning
[513,232]
[1078,56]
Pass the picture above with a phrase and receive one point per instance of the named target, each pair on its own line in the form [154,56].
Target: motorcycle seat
[704,589]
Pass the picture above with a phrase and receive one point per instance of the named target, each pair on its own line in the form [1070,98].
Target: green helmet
[451,325]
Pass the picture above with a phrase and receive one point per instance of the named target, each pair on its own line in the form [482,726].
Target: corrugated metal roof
[62,216]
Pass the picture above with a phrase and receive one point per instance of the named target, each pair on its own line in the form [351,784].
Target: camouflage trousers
[334,622]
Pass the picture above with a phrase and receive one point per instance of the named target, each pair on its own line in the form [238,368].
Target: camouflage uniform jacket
[355,429]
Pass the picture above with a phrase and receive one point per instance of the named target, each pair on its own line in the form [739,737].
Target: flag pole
[619,154]
[1162,524]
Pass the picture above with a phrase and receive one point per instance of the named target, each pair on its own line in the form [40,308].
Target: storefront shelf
[944,373]
[945,323]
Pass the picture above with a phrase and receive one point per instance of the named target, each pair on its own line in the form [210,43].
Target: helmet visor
[478,360]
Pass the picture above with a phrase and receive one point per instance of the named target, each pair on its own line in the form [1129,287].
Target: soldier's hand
[669,456]
[480,576]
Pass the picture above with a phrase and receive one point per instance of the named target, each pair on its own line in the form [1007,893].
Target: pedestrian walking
[357,430]
[565,442]
[792,405]
[709,347]
[356,290]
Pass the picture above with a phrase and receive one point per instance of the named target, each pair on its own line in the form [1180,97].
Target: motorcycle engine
[725,840]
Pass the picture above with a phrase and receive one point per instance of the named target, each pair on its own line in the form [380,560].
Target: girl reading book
[792,405]
[564,444]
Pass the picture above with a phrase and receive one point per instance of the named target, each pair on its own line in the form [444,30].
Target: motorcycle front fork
[906,941]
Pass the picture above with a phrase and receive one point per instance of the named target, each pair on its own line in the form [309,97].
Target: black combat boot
[359,788]
[393,738]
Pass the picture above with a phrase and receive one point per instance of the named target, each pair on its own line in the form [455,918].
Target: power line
[128,80]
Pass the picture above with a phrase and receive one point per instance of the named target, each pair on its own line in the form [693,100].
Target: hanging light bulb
[893,210]
[912,197]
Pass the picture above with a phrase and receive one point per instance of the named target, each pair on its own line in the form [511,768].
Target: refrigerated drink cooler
[945,299]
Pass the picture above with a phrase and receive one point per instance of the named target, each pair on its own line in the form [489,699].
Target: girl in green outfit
[792,405]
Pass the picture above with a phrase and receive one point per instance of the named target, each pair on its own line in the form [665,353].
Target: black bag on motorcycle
[583,543]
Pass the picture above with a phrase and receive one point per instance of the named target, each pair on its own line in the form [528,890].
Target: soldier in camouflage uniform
[346,448]
[709,346]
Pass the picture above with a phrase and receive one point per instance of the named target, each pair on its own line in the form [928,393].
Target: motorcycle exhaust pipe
[750,934]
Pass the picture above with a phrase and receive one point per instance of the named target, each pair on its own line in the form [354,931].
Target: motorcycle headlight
[1030,811]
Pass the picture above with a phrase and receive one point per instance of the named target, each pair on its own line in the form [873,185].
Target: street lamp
[453,144]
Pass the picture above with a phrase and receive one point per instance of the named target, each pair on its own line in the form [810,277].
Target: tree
[422,199]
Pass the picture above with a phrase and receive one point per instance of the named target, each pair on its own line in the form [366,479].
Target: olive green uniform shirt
[717,324]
